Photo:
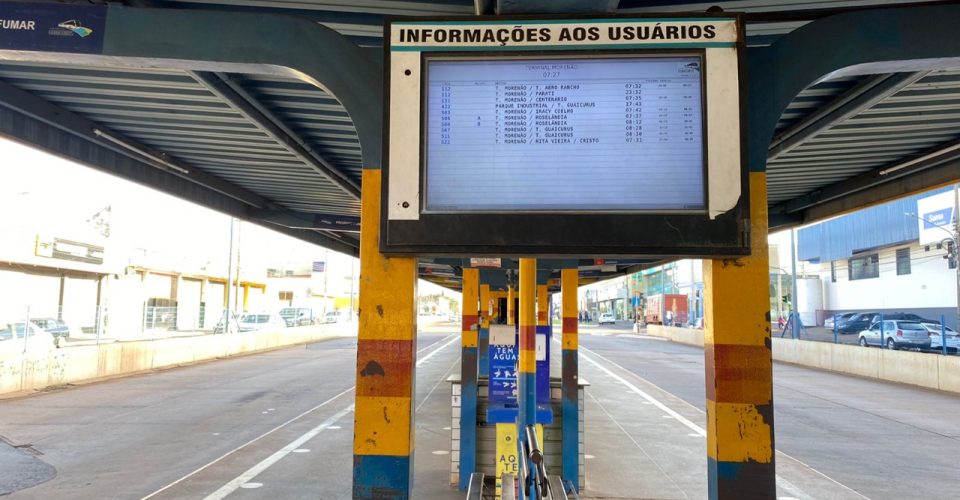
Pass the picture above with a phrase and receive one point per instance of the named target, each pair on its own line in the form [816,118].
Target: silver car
[896,334]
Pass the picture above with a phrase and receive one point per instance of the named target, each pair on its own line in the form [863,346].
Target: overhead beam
[33,106]
[72,136]
[303,220]
[556,6]
[844,107]
[229,90]
[944,174]
[945,153]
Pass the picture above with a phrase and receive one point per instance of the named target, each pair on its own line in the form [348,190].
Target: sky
[45,193]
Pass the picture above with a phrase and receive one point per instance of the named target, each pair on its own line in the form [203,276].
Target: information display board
[531,134]
[564,136]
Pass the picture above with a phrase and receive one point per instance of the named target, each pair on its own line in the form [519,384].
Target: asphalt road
[279,425]
[883,440]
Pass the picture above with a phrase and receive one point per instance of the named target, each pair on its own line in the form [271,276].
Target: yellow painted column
[510,299]
[246,297]
[386,361]
[739,386]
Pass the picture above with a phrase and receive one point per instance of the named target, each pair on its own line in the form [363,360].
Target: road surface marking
[783,483]
[455,336]
[265,464]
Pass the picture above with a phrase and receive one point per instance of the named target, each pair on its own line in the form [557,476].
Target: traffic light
[951,255]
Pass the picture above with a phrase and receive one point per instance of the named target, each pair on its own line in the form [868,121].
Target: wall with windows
[906,278]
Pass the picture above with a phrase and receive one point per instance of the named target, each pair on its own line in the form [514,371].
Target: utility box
[659,304]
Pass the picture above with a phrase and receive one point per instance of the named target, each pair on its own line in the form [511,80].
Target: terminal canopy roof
[283,153]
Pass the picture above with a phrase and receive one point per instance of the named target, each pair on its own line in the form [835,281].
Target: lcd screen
[620,134]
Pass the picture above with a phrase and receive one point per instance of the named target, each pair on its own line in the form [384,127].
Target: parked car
[333,317]
[839,318]
[297,316]
[936,341]
[857,323]
[896,334]
[908,317]
[36,337]
[234,320]
[263,321]
[606,318]
[56,327]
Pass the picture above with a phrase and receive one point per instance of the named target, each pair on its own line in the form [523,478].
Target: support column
[527,359]
[246,297]
[486,310]
[543,305]
[510,305]
[739,386]
[386,357]
[468,376]
[570,369]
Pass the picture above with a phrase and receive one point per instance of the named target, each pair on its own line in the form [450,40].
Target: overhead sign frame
[717,228]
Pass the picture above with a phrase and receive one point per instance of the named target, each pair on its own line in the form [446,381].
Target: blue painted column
[468,377]
[483,340]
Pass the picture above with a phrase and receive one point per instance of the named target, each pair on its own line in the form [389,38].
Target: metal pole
[835,331]
[956,246]
[351,288]
[794,315]
[779,294]
[943,335]
[26,330]
[326,267]
[236,295]
[882,333]
[227,309]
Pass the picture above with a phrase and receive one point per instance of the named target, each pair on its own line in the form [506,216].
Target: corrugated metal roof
[902,126]
[170,111]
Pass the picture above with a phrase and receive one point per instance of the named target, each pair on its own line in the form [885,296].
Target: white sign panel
[632,115]
[555,134]
[937,217]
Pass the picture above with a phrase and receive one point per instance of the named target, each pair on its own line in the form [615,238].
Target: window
[286,296]
[833,271]
[865,267]
[903,261]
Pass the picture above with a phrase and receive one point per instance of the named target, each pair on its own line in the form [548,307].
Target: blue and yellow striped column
[386,357]
[570,368]
[739,384]
[527,358]
[468,376]
[483,339]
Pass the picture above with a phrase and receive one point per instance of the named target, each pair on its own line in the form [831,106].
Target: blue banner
[52,27]
[503,374]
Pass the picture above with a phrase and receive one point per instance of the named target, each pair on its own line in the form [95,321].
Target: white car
[12,337]
[936,343]
[606,318]
[262,321]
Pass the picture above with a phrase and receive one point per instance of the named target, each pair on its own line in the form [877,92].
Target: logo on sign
[939,218]
[70,28]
